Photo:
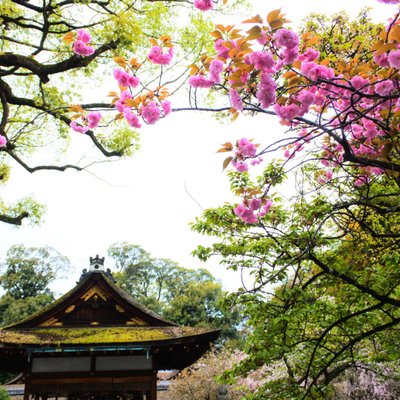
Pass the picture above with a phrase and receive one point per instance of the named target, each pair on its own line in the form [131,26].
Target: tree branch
[14,220]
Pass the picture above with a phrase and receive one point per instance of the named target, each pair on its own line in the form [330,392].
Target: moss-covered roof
[96,335]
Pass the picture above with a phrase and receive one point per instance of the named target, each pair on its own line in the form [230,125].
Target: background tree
[26,275]
[185,296]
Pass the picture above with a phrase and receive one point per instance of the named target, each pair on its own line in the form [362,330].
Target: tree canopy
[25,276]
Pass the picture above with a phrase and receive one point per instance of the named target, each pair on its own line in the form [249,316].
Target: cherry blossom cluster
[250,211]
[3,141]
[89,121]
[157,56]
[203,5]
[81,43]
[149,108]
[256,76]
[245,150]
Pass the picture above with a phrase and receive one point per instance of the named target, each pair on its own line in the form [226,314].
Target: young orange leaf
[75,108]
[273,15]
[129,102]
[277,23]
[254,20]
[69,37]
[385,47]
[153,42]
[226,162]
[237,85]
[134,63]
[228,145]
[223,150]
[394,33]
[217,34]
[120,61]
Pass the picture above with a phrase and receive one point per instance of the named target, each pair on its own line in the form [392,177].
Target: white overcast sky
[150,199]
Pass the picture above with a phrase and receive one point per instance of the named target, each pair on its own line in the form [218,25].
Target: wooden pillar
[153,390]
[27,387]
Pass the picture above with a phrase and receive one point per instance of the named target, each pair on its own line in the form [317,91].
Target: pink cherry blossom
[241,166]
[261,60]
[3,141]
[82,49]
[156,55]
[255,204]
[239,210]
[266,91]
[315,71]
[223,51]
[394,59]
[246,148]
[286,38]
[381,59]
[216,67]
[236,101]
[124,79]
[289,55]
[93,119]
[203,5]
[359,82]
[287,112]
[120,104]
[200,81]
[265,209]
[256,161]
[83,35]
[249,217]
[309,55]
[361,181]
[132,119]
[151,113]
[384,88]
[389,1]
[78,128]
[166,107]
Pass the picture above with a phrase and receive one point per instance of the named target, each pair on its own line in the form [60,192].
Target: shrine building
[97,342]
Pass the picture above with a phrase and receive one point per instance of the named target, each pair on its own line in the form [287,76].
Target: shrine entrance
[96,342]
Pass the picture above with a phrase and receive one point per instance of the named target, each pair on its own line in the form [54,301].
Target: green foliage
[325,271]
[16,309]
[26,274]
[4,394]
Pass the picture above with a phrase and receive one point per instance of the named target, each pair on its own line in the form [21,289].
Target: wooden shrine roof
[96,316]
[94,301]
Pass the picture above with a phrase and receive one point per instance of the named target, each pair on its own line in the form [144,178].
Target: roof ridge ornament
[96,265]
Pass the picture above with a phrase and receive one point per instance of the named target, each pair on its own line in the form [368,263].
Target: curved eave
[175,352]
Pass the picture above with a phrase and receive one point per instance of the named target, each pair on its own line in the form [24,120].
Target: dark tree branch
[14,220]
[353,282]
[43,71]
[42,167]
